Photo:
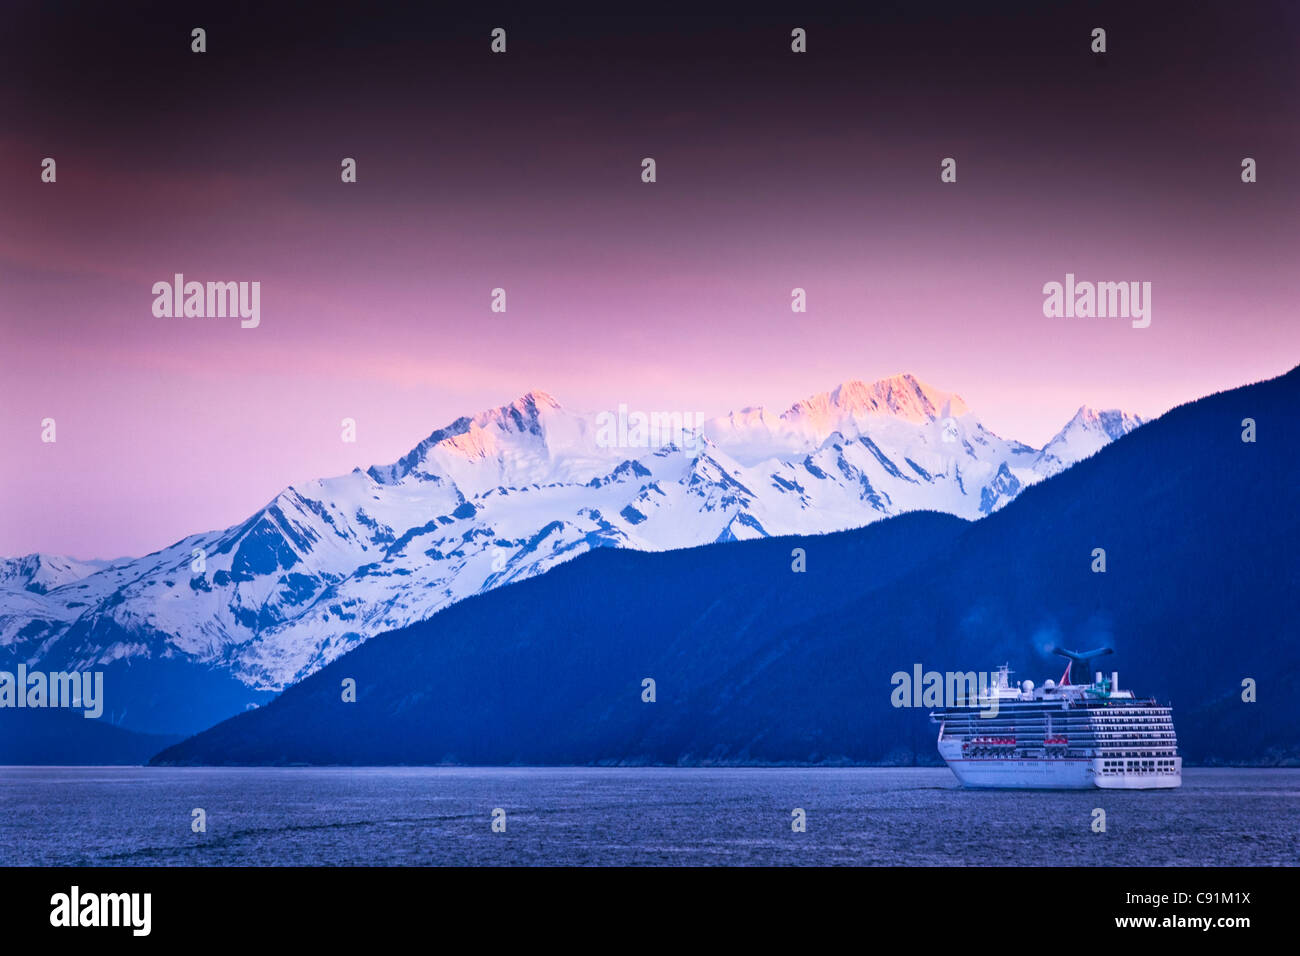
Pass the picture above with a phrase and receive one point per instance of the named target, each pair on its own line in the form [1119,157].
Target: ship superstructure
[1062,735]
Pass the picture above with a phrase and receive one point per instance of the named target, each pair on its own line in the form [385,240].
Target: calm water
[432,816]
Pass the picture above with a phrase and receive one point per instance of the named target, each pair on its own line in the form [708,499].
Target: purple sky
[774,171]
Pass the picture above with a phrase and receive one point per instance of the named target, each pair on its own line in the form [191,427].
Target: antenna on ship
[1084,659]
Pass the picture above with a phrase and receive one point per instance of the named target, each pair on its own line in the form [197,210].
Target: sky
[522,171]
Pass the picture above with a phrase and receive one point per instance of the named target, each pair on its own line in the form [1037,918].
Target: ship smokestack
[1114,681]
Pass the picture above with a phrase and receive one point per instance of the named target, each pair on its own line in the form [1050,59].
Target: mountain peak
[523,414]
[899,396]
[1114,422]
[536,397]
[1084,435]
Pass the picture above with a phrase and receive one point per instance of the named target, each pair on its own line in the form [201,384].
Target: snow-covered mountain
[505,495]
[44,572]
[1084,435]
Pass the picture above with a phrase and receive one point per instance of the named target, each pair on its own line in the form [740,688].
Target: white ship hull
[1057,773]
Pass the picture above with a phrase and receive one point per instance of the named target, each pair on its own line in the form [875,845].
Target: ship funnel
[1083,660]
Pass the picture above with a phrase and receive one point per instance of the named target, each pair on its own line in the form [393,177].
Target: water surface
[645,816]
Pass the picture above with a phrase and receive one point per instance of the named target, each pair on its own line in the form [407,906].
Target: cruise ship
[1061,736]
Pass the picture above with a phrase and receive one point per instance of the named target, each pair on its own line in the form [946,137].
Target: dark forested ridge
[755,663]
